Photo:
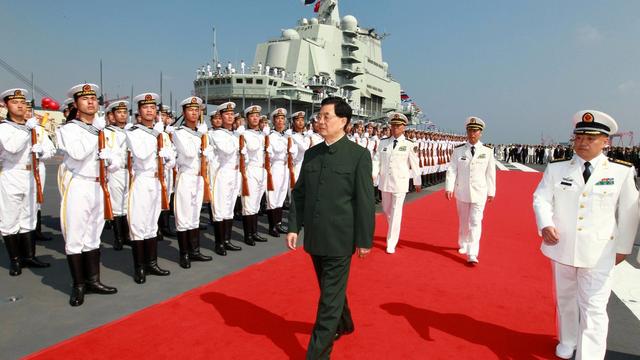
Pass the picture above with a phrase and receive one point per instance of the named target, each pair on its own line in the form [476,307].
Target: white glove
[166,153]
[243,151]
[240,130]
[158,127]
[266,130]
[128,126]
[270,151]
[99,123]
[105,154]
[309,132]
[37,149]
[208,153]
[289,132]
[169,129]
[32,123]
[202,128]
[366,135]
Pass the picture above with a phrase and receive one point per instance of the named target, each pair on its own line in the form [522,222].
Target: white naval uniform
[49,150]
[302,143]
[471,179]
[279,169]
[256,174]
[17,184]
[116,140]
[226,177]
[63,176]
[82,207]
[189,190]
[393,167]
[594,221]
[144,203]
[315,139]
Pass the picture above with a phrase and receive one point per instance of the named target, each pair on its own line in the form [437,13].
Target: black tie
[395,142]
[586,172]
[473,151]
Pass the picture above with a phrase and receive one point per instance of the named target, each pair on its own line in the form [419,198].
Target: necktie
[586,173]
[473,151]
[395,142]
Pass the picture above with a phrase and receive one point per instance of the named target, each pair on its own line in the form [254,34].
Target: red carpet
[423,302]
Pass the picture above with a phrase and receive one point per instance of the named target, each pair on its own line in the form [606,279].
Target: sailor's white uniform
[256,174]
[279,169]
[226,176]
[116,140]
[471,179]
[189,190]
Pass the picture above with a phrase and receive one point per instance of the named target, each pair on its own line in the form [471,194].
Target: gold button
[611,238]
[581,206]
[604,192]
[584,194]
[579,229]
[580,218]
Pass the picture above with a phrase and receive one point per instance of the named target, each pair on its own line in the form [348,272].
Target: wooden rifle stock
[130,167]
[35,164]
[204,170]
[163,186]
[292,173]
[108,210]
[267,164]
[243,168]
[175,168]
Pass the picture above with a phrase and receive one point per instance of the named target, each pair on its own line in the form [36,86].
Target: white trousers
[582,295]
[82,215]
[257,181]
[392,208]
[119,191]
[43,178]
[187,201]
[17,202]
[64,177]
[280,175]
[144,207]
[470,226]
[226,185]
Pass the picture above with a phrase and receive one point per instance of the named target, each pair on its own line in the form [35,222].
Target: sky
[525,67]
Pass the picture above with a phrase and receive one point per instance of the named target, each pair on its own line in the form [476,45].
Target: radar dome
[313,21]
[385,65]
[304,21]
[290,34]
[349,22]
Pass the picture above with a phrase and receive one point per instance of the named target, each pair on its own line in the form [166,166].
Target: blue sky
[523,66]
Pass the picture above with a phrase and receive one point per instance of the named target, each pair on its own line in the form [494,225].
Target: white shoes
[564,351]
[462,250]
[472,259]
[391,251]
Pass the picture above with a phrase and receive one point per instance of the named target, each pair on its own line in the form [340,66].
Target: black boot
[77,274]
[151,257]
[211,221]
[13,250]
[126,236]
[228,225]
[272,223]
[237,209]
[194,246]
[137,248]
[165,225]
[278,219]
[38,235]
[28,246]
[117,233]
[254,229]
[246,228]
[183,246]
[218,233]
[91,260]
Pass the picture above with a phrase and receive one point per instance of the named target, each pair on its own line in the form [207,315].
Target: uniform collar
[399,138]
[476,145]
[594,162]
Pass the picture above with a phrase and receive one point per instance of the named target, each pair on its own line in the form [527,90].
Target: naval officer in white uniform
[393,166]
[471,177]
[587,213]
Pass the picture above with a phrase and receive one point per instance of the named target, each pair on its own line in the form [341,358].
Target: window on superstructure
[239,81]
[249,81]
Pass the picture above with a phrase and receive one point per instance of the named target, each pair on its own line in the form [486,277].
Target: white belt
[9,166]
[150,174]
[188,171]
[84,177]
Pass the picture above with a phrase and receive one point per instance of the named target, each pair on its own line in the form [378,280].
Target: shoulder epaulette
[385,138]
[411,140]
[621,162]
[489,146]
[558,160]
[463,144]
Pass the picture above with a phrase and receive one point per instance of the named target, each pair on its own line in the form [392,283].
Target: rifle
[163,186]
[130,167]
[243,169]
[35,164]
[204,167]
[292,174]
[108,211]
[267,164]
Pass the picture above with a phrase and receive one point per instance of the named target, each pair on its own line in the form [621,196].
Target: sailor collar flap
[89,128]
[145,129]
[189,130]
[17,126]
[115,128]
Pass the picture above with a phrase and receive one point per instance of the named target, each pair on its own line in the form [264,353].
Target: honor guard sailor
[226,179]
[471,178]
[148,189]
[301,140]
[253,176]
[190,181]
[119,182]
[18,207]
[82,210]
[393,166]
[587,214]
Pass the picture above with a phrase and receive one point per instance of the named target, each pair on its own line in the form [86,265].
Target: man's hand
[550,235]
[362,252]
[620,258]
[448,195]
[292,239]
[490,198]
